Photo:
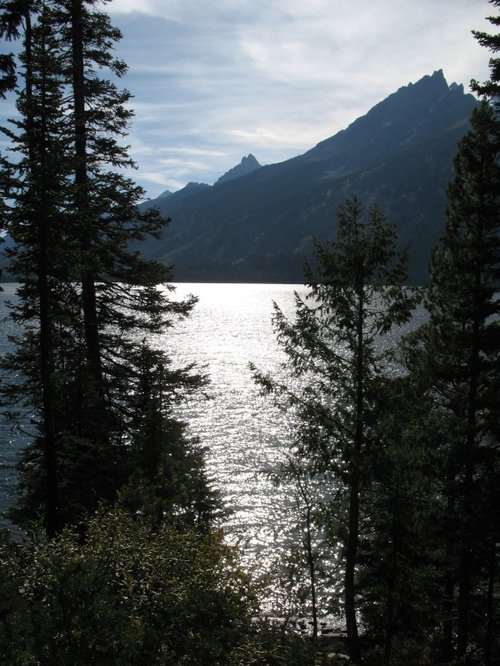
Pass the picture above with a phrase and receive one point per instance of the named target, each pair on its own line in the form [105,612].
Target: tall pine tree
[457,354]
[490,89]
[36,222]
[87,301]
[355,296]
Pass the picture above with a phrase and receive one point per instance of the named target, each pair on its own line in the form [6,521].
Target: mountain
[165,193]
[258,227]
[247,165]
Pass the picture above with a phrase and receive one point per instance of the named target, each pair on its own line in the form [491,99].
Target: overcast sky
[214,80]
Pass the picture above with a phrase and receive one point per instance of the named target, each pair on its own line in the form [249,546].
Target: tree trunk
[355,482]
[86,232]
[38,150]
[448,601]
[490,601]
[350,571]
[468,503]
[390,628]
[312,571]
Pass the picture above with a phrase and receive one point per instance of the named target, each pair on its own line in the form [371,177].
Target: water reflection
[245,435]
[11,435]
[230,326]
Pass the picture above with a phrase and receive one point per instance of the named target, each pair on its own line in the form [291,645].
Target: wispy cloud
[215,80]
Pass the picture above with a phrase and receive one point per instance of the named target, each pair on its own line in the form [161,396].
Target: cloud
[148,7]
[274,77]
[214,80]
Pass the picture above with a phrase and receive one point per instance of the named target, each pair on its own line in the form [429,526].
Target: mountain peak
[404,116]
[431,83]
[258,227]
[247,165]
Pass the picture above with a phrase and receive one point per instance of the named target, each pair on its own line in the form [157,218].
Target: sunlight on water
[230,327]
[244,434]
[10,438]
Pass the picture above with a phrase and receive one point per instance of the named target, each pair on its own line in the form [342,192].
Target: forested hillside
[259,227]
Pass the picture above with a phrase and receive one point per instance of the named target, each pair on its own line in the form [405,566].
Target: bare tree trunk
[312,571]
[350,571]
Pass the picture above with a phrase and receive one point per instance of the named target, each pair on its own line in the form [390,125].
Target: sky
[214,80]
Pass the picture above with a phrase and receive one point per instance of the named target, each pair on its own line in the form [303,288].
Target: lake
[230,327]
[246,437]
[244,434]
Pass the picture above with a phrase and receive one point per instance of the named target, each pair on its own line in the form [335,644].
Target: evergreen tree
[10,18]
[490,89]
[457,354]
[355,297]
[167,480]
[35,223]
[87,301]
[400,559]
[11,14]
[454,364]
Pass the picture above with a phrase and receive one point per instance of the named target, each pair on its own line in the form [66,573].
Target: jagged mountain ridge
[258,226]
[247,165]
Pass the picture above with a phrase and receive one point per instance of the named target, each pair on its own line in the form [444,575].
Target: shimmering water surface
[11,435]
[244,434]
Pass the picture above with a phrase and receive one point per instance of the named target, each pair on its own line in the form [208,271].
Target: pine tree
[10,18]
[458,357]
[87,301]
[35,223]
[167,479]
[400,559]
[490,89]
[355,297]
[11,14]
[454,363]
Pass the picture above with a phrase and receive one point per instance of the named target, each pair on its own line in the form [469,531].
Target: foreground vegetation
[395,458]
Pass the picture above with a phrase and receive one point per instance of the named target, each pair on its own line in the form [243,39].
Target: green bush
[126,594]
